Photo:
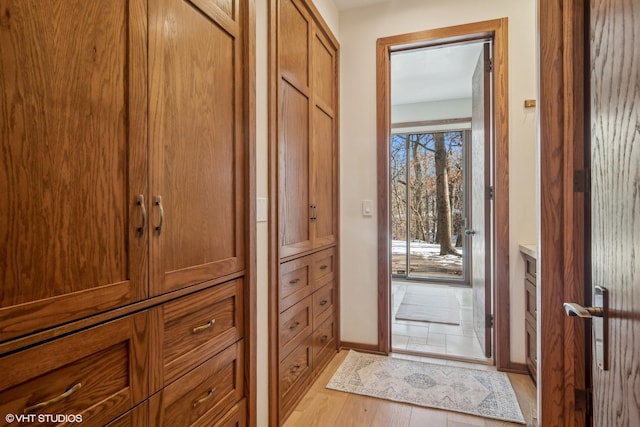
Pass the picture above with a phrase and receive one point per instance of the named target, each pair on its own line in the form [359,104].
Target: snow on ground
[428,251]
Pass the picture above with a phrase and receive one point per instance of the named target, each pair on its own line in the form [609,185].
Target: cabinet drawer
[323,344]
[295,375]
[531,312]
[198,326]
[322,303]
[295,326]
[531,349]
[137,417]
[323,267]
[204,394]
[295,281]
[530,268]
[99,373]
[236,417]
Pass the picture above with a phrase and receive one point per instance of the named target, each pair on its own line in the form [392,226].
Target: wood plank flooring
[322,407]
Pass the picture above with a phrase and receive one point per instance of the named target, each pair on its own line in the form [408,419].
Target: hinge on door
[490,65]
[583,400]
[581,181]
[489,321]
[488,193]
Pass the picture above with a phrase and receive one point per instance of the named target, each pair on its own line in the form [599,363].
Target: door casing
[496,30]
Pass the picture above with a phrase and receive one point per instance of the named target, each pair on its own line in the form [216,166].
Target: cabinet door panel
[326,176]
[195,144]
[293,171]
[72,160]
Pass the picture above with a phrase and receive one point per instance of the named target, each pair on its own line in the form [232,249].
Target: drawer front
[530,268]
[531,349]
[236,417]
[295,326]
[323,267]
[199,325]
[203,395]
[98,374]
[137,417]
[323,300]
[295,281]
[531,312]
[324,344]
[296,369]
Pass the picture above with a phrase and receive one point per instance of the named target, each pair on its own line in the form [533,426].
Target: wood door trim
[496,29]
[561,266]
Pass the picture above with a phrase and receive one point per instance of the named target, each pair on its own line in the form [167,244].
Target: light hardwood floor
[323,407]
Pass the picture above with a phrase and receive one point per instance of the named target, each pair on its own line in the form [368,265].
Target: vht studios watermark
[42,418]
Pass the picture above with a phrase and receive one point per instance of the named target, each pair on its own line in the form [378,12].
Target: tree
[442,197]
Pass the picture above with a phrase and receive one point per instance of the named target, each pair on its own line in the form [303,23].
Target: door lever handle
[469,232]
[576,310]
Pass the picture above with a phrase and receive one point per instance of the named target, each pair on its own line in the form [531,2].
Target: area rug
[429,305]
[486,394]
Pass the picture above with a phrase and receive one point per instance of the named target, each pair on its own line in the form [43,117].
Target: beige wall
[359,30]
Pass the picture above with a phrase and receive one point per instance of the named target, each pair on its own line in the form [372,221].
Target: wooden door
[325,171]
[72,160]
[615,200]
[295,206]
[195,140]
[481,200]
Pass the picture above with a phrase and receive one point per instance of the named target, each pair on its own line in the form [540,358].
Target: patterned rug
[486,394]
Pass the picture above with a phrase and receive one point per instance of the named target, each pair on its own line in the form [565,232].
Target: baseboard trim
[515,368]
[364,348]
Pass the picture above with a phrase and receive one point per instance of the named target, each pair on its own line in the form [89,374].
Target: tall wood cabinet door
[294,150]
[72,160]
[196,141]
[325,163]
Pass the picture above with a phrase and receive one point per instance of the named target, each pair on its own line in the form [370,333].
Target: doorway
[495,321]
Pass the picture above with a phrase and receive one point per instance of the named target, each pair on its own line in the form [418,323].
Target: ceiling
[350,4]
[433,74]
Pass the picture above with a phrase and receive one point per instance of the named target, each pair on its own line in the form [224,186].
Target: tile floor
[437,339]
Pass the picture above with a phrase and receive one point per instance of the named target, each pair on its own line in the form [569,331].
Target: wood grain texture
[196,156]
[68,145]
[109,361]
[615,198]
[498,30]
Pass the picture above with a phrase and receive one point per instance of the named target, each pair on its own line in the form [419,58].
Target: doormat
[429,305]
[486,394]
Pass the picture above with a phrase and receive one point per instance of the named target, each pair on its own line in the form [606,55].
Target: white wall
[330,14]
[359,30]
[434,110]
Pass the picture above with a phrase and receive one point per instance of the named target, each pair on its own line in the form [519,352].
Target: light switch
[261,209]
[367,208]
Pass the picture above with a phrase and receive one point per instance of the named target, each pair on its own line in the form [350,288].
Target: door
[72,160]
[615,199]
[195,140]
[480,230]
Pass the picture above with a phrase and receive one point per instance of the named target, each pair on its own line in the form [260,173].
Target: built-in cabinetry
[531,311]
[304,167]
[125,211]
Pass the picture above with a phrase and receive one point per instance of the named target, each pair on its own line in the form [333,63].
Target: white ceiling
[433,74]
[351,4]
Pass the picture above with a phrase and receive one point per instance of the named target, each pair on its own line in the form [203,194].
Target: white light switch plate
[367,208]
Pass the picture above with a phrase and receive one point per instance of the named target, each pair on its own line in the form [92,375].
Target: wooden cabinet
[304,290]
[125,211]
[531,314]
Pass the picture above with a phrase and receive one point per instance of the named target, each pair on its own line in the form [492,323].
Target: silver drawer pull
[34,408]
[294,281]
[200,400]
[204,327]
[324,302]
